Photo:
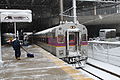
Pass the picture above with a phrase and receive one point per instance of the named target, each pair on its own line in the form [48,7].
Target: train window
[53,35]
[84,38]
[47,40]
[72,38]
[111,34]
[60,38]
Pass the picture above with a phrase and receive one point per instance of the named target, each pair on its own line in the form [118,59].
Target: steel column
[74,11]
[61,10]
[0,49]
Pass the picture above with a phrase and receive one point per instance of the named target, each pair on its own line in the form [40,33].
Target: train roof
[50,29]
[107,29]
[47,30]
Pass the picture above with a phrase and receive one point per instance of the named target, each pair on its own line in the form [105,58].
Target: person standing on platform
[16,46]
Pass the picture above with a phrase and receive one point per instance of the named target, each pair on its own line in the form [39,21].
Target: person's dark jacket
[16,44]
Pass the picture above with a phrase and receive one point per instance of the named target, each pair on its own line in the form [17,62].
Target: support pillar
[1,62]
[61,10]
[15,29]
[74,11]
[95,10]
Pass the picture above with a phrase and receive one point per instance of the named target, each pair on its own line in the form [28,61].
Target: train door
[72,42]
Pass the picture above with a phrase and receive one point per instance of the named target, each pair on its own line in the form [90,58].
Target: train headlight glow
[72,27]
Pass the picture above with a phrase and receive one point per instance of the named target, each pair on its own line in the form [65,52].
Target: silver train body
[7,37]
[66,41]
[107,34]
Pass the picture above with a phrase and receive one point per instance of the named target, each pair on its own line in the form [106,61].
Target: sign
[16,16]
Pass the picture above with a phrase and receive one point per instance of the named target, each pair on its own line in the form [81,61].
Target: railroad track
[117,75]
[101,69]
[90,73]
[107,73]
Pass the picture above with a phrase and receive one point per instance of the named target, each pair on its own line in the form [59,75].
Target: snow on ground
[100,73]
[115,51]
[38,68]
[106,66]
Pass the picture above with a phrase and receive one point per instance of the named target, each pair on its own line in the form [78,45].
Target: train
[67,41]
[107,34]
[7,37]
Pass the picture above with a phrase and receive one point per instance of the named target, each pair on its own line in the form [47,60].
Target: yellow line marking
[78,76]
[68,69]
[85,79]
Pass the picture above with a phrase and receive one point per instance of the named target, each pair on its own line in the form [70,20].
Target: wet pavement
[41,67]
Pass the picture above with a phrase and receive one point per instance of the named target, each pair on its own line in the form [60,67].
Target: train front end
[74,38]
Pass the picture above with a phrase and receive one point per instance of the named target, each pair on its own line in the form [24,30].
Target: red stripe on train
[83,43]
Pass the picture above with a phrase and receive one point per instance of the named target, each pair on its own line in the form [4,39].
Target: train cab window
[84,37]
[72,38]
[111,34]
[60,38]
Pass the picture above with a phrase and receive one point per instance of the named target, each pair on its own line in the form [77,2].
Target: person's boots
[18,58]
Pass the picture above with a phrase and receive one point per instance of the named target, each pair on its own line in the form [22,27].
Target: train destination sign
[16,15]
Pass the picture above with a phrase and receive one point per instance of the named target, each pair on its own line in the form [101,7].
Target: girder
[46,11]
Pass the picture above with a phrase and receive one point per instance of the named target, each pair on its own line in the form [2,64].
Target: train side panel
[55,40]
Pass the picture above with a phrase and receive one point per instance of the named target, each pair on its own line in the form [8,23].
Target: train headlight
[72,27]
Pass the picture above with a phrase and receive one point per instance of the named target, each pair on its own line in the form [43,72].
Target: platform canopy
[12,15]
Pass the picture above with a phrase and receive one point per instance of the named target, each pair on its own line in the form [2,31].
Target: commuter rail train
[106,34]
[67,41]
[7,37]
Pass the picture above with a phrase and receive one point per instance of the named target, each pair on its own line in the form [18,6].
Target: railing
[108,52]
[101,11]
[108,8]
[100,0]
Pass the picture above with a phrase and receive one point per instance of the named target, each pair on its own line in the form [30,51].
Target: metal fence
[108,52]
[101,11]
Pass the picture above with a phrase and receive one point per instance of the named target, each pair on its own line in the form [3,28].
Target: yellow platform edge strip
[68,69]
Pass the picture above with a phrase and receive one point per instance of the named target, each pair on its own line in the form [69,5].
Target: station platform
[44,66]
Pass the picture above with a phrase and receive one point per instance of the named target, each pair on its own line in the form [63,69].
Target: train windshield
[102,33]
[107,33]
[111,34]
[72,38]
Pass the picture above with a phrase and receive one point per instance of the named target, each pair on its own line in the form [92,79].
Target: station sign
[16,16]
